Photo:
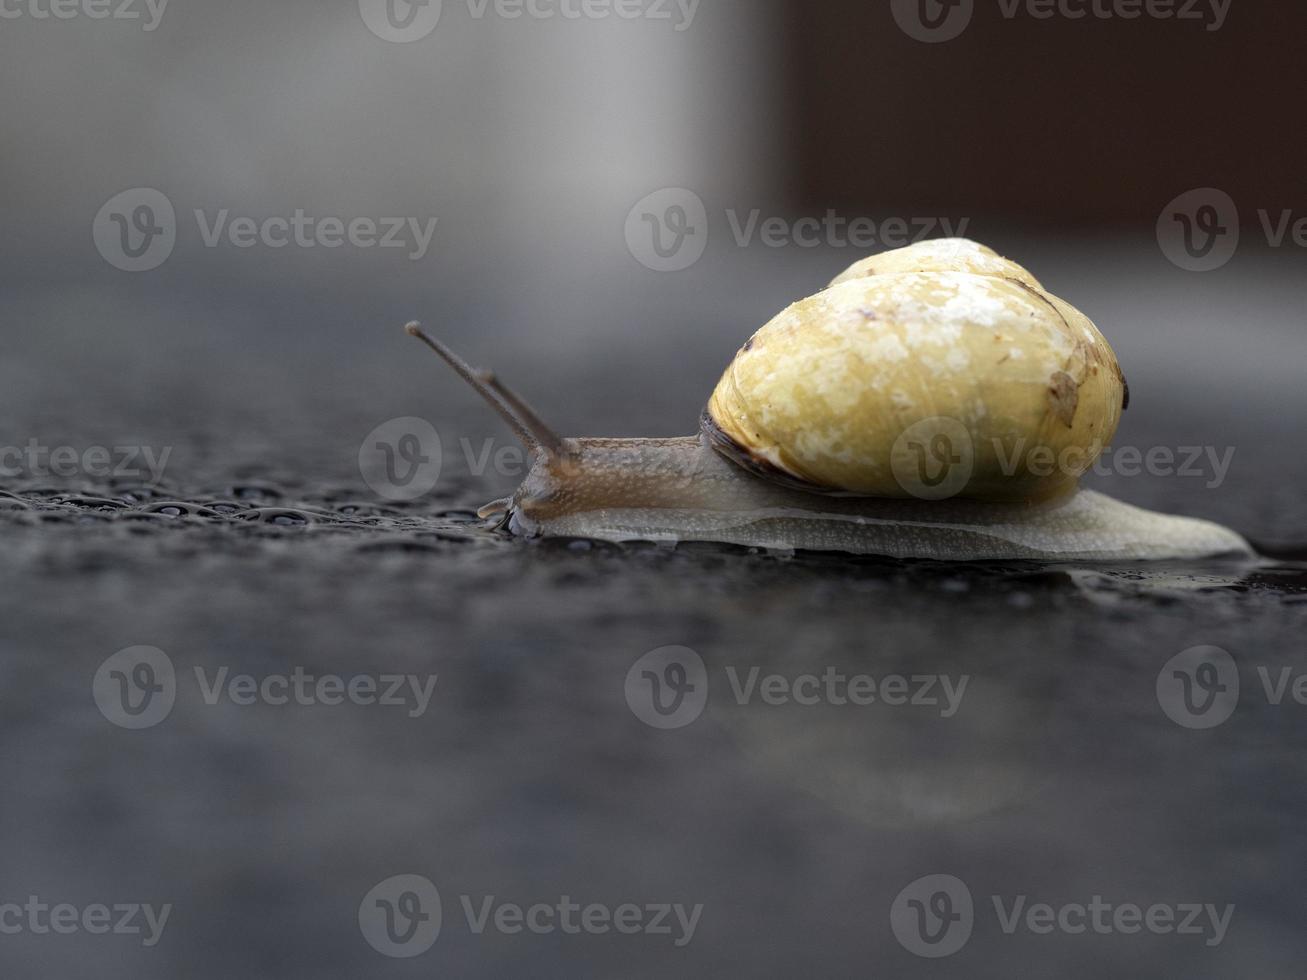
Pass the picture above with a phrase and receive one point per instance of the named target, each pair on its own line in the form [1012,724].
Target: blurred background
[801,138]
[216,219]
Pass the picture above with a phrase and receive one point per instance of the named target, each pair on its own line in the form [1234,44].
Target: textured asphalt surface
[528,776]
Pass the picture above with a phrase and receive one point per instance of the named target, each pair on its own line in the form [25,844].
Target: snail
[933,402]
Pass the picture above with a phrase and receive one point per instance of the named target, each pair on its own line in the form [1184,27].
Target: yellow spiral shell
[936,370]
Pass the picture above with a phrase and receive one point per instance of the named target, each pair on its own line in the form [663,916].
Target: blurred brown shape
[1072,123]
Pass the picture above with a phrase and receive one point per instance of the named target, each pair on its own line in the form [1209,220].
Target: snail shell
[939,353]
[939,255]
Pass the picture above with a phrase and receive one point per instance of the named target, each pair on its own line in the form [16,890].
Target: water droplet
[225,506]
[281,516]
[178,508]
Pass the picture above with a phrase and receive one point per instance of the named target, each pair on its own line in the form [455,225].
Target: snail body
[909,410]
[675,490]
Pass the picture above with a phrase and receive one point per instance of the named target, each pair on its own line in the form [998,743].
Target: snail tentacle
[521,418]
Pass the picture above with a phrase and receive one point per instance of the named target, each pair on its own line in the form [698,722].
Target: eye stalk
[521,418]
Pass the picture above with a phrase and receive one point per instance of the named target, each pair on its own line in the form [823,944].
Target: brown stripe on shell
[759,467]
[1064,397]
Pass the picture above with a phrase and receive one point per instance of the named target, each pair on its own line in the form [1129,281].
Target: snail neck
[620,474]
